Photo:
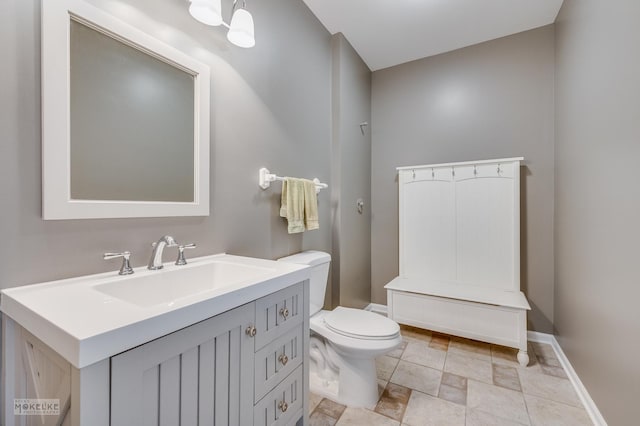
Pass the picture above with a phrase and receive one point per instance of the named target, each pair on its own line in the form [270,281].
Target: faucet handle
[181,248]
[126,268]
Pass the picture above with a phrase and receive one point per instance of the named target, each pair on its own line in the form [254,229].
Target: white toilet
[344,342]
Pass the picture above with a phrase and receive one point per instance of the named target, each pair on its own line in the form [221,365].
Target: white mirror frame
[56,197]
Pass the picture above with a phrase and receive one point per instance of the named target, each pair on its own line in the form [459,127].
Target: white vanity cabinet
[245,366]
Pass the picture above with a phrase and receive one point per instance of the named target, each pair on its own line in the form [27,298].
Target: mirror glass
[131,122]
[125,117]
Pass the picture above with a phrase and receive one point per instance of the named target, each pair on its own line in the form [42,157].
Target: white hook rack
[265,177]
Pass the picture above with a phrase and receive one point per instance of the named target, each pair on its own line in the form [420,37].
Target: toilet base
[355,385]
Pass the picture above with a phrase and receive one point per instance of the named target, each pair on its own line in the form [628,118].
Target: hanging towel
[293,204]
[310,205]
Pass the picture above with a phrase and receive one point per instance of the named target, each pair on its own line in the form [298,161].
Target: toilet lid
[361,324]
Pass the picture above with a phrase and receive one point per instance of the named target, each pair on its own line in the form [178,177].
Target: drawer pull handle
[284,359]
[284,312]
[283,406]
[251,331]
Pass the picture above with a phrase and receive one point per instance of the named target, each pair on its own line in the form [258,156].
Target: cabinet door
[200,375]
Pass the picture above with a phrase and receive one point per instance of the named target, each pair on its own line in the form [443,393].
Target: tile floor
[435,379]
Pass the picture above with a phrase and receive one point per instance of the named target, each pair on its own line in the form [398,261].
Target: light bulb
[241,32]
[208,12]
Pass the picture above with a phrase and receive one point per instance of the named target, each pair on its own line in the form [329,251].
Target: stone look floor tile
[320,419]
[470,348]
[471,368]
[534,364]
[419,352]
[393,401]
[504,403]
[550,361]
[454,380]
[415,333]
[504,355]
[330,408]
[507,377]
[418,377]
[363,417]
[426,410]
[453,388]
[451,394]
[554,371]
[544,412]
[382,385]
[385,366]
[439,341]
[397,352]
[481,418]
[409,378]
[314,400]
[545,354]
[549,387]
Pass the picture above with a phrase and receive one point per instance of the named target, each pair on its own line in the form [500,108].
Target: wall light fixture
[241,28]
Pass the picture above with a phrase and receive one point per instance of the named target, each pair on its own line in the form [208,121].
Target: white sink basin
[169,286]
[90,318]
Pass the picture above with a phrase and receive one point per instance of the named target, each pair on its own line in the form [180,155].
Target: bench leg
[523,358]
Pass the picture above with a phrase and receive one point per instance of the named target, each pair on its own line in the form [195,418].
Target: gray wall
[597,199]
[270,107]
[490,100]
[351,174]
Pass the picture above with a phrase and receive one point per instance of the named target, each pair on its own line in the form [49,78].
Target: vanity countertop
[90,318]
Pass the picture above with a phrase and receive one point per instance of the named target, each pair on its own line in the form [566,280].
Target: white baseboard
[534,336]
[376,308]
[583,394]
[549,339]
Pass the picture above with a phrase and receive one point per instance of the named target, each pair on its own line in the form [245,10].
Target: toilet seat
[359,324]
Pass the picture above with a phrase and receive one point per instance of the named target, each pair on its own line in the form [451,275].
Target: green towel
[293,204]
[299,205]
[310,205]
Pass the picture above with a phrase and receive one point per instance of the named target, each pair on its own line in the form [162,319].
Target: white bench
[489,315]
[459,252]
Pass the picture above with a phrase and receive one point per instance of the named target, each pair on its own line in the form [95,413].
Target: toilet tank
[319,262]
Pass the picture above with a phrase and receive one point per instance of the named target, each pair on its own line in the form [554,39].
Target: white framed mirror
[125,120]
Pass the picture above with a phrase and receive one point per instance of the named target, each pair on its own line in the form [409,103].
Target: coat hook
[363,125]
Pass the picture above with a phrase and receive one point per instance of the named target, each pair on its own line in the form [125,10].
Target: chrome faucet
[156,255]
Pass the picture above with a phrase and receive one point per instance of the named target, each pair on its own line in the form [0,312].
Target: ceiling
[390,32]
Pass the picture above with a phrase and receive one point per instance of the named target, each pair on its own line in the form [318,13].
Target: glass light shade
[241,29]
[208,12]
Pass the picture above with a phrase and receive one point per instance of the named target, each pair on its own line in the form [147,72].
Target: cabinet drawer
[278,313]
[283,405]
[276,360]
